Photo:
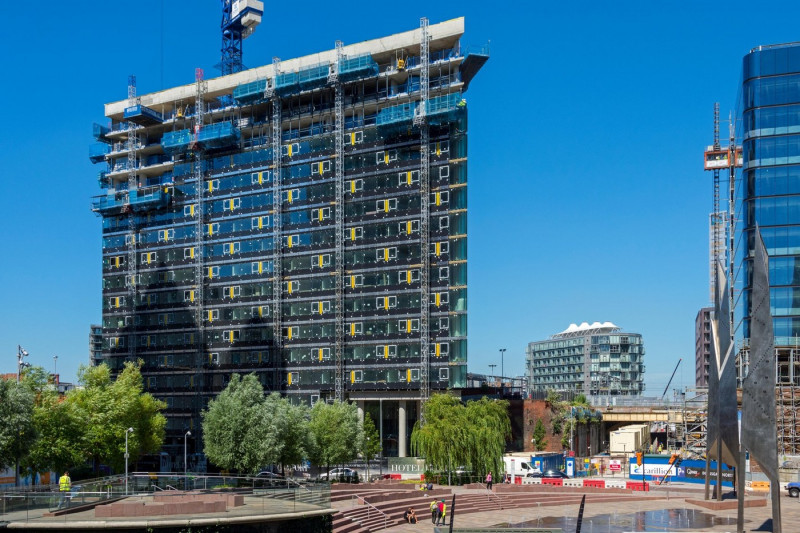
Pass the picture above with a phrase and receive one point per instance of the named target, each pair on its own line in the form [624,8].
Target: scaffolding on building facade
[306,222]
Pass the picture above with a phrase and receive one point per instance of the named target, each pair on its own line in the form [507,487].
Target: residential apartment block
[304,220]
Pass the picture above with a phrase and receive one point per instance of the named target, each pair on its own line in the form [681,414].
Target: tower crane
[239,21]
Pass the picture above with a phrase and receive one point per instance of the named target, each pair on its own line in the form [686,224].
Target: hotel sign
[406,465]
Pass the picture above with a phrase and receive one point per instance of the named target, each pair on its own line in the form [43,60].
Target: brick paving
[598,514]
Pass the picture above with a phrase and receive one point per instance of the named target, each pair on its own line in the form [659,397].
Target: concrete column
[401,430]
[360,405]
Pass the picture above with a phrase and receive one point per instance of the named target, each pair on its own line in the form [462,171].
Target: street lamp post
[21,353]
[55,366]
[129,430]
[185,464]
[502,367]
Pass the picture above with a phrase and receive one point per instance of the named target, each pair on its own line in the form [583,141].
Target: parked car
[794,489]
[347,475]
[550,474]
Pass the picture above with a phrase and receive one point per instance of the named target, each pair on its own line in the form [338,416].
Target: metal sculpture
[758,390]
[723,431]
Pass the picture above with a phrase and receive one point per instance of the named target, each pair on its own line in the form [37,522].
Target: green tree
[108,408]
[60,429]
[489,431]
[335,428]
[371,446]
[539,434]
[241,429]
[17,431]
[293,431]
[454,434]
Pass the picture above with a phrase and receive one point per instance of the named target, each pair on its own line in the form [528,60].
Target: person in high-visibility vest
[64,487]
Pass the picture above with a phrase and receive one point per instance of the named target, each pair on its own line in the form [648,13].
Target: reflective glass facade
[768,186]
[248,281]
[595,361]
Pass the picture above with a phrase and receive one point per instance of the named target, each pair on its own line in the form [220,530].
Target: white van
[518,466]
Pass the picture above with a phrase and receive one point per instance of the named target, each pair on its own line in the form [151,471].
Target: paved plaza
[620,516]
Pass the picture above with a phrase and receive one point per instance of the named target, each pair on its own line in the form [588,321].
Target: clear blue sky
[587,197]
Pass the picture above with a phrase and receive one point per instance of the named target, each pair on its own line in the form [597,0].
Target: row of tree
[42,430]
[244,430]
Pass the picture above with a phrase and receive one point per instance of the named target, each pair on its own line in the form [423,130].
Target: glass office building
[768,187]
[304,220]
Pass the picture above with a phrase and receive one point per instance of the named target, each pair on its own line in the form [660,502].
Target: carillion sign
[406,465]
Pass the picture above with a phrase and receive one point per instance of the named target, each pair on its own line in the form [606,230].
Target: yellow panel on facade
[260,267]
[353,186]
[260,178]
[438,248]
[408,276]
[438,349]
[438,148]
[211,315]
[408,178]
[386,302]
[408,375]
[352,234]
[352,376]
[385,254]
[438,299]
[320,260]
[352,138]
[408,326]
[210,272]
[289,150]
[230,337]
[289,284]
[386,157]
[290,333]
[191,296]
[289,378]
[386,206]
[211,229]
[230,292]
[438,198]
[409,227]
[352,330]
[191,210]
[211,186]
[191,252]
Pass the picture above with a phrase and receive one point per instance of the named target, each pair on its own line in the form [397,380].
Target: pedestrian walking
[441,520]
[434,511]
[64,487]
[489,480]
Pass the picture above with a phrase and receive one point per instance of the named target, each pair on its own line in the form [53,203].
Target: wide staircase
[377,506]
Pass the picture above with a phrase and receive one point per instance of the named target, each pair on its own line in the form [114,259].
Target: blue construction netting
[218,135]
[142,115]
[98,151]
[99,132]
[182,169]
[286,83]
[250,92]
[312,77]
[148,199]
[357,67]
[445,108]
[395,114]
[174,142]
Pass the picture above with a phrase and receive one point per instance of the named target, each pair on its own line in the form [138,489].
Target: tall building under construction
[304,220]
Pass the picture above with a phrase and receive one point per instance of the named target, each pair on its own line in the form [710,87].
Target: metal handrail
[369,510]
[499,500]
